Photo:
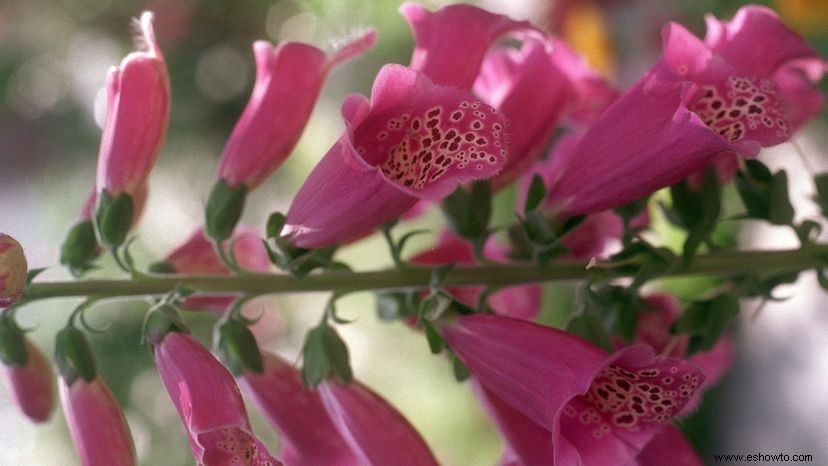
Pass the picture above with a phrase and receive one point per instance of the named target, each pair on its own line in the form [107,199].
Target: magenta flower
[13,270]
[288,80]
[752,96]
[209,403]
[32,385]
[521,302]
[377,433]
[668,447]
[701,102]
[413,140]
[97,424]
[534,86]
[595,408]
[450,44]
[138,96]
[307,435]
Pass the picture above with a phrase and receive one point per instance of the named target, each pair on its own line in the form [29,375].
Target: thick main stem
[720,264]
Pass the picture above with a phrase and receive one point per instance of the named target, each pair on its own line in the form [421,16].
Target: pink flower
[138,95]
[534,86]
[654,329]
[752,96]
[414,140]
[450,43]
[307,435]
[377,433]
[13,270]
[668,447]
[519,301]
[288,80]
[209,403]
[670,124]
[96,422]
[574,403]
[197,255]
[32,384]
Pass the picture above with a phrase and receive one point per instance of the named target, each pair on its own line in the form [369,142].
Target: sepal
[237,347]
[80,248]
[12,342]
[325,353]
[73,356]
[113,218]
[224,208]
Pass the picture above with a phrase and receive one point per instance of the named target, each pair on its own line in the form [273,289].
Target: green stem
[498,275]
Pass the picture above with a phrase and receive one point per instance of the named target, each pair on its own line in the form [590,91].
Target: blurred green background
[53,60]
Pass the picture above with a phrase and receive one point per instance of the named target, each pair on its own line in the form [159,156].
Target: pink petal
[450,43]
[288,81]
[97,424]
[376,431]
[668,447]
[138,95]
[13,270]
[307,435]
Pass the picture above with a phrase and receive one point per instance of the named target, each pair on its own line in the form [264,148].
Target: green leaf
[162,319]
[224,208]
[238,348]
[821,182]
[461,373]
[468,212]
[765,194]
[113,218]
[536,194]
[705,321]
[73,356]
[12,343]
[80,248]
[275,223]
[435,341]
[325,353]
[781,210]
[591,328]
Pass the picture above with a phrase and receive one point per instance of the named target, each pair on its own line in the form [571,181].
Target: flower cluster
[485,101]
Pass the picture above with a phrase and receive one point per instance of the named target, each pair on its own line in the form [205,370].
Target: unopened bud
[13,269]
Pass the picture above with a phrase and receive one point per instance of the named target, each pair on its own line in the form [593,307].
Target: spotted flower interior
[234,446]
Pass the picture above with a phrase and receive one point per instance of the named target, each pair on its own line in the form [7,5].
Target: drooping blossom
[519,301]
[668,447]
[534,86]
[307,435]
[702,101]
[654,329]
[97,424]
[377,433]
[197,255]
[209,403]
[138,96]
[413,140]
[450,44]
[289,78]
[31,385]
[574,403]
[13,270]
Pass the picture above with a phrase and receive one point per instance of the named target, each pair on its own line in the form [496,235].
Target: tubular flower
[576,404]
[450,44]
[31,384]
[209,403]
[377,433]
[307,435]
[99,431]
[414,140]
[13,270]
[519,301]
[702,101]
[289,78]
[138,95]
[534,86]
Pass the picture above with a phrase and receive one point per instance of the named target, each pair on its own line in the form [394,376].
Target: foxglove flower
[30,381]
[595,408]
[13,270]
[414,140]
[450,44]
[97,424]
[138,95]
[519,301]
[533,87]
[197,255]
[288,80]
[700,102]
[377,433]
[307,435]
[209,403]
[668,447]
